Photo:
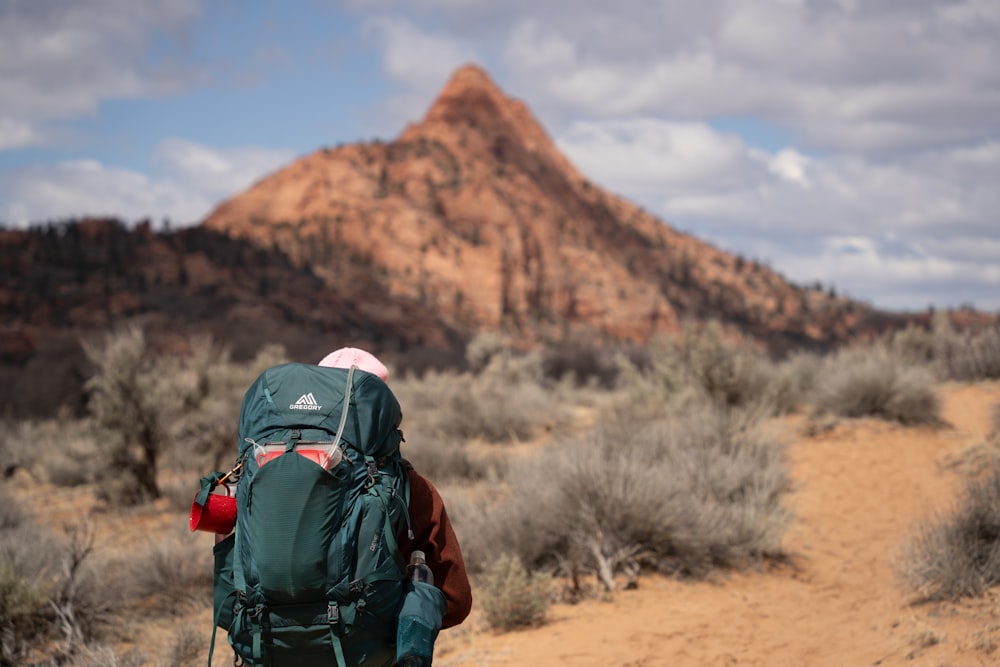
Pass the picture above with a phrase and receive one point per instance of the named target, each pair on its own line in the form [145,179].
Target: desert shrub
[729,374]
[12,454]
[704,364]
[446,460]
[28,572]
[23,614]
[12,514]
[958,554]
[48,592]
[180,492]
[511,597]
[506,401]
[995,431]
[968,355]
[68,473]
[679,493]
[205,436]
[482,348]
[871,382]
[973,354]
[56,449]
[915,345]
[102,655]
[187,648]
[132,399]
[585,362]
[146,404]
[171,569]
[790,382]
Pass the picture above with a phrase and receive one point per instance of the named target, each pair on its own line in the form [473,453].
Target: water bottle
[419,570]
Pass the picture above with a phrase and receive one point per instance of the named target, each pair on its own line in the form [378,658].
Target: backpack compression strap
[342,618]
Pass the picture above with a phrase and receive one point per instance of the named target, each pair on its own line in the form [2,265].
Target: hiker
[432,530]
[314,574]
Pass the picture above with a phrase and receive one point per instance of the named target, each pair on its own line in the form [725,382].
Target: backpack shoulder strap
[343,413]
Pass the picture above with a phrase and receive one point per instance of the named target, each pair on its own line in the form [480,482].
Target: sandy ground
[860,489]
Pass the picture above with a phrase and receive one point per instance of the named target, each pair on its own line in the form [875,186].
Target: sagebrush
[512,597]
[681,493]
[872,382]
[957,554]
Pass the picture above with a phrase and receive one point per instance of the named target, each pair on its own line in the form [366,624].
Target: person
[432,530]
[429,530]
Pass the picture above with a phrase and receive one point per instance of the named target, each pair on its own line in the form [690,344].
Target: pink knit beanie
[346,357]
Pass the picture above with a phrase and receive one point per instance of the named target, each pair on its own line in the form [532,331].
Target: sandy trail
[859,490]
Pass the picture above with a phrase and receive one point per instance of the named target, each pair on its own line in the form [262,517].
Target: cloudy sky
[848,142]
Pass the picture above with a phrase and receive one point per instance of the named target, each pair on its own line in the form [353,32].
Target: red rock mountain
[474,214]
[470,221]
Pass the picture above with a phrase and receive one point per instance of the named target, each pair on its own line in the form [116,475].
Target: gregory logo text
[305,402]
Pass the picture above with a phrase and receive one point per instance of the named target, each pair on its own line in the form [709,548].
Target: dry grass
[150,410]
[102,655]
[972,356]
[958,555]
[995,430]
[680,493]
[705,365]
[506,402]
[187,648]
[53,600]
[449,460]
[172,570]
[871,382]
[29,571]
[511,597]
[954,355]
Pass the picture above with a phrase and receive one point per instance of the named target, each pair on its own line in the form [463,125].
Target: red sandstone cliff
[474,213]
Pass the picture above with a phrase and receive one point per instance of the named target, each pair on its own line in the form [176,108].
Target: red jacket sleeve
[432,532]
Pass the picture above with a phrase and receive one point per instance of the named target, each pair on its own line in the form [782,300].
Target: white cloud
[16,134]
[418,62]
[528,50]
[60,60]
[87,188]
[195,178]
[640,157]
[914,280]
[790,165]
[870,228]
[217,173]
[416,57]
[855,76]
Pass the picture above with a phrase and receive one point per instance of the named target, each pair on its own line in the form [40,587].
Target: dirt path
[860,489]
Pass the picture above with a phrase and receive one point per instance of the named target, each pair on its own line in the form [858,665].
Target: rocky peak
[470,92]
[471,110]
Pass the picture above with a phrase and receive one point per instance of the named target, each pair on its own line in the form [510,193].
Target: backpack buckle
[357,586]
[256,612]
[373,474]
[333,613]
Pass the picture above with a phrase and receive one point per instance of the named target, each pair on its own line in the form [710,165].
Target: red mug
[218,515]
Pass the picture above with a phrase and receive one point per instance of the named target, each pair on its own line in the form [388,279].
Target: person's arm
[432,532]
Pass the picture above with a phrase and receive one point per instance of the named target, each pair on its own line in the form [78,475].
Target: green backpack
[313,575]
